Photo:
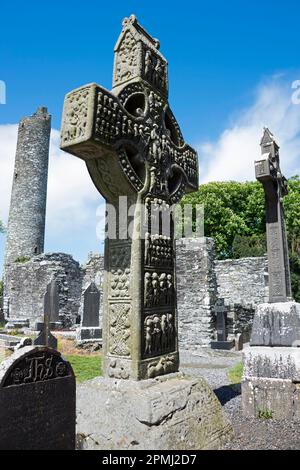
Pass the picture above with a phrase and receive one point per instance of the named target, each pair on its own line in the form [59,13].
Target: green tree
[234,215]
[230,209]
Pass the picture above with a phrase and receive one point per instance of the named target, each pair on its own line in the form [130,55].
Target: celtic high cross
[268,172]
[133,147]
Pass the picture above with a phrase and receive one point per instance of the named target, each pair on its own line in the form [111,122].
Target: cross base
[167,413]
[88,335]
[224,345]
[271,382]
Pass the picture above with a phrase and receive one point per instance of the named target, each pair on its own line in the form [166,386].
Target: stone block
[280,398]
[88,334]
[168,413]
[224,345]
[15,323]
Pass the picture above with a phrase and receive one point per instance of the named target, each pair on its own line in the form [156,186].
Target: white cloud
[72,198]
[232,156]
[8,140]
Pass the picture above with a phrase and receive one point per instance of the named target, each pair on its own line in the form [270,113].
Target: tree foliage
[234,215]
[230,209]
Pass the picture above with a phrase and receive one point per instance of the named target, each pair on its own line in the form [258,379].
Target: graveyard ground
[223,371]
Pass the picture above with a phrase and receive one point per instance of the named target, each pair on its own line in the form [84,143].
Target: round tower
[26,224]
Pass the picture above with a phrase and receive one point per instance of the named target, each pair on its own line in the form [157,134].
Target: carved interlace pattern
[119,330]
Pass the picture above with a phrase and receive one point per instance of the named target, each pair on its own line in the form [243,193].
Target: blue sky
[231,66]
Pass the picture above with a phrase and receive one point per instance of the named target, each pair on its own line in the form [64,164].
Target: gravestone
[221,320]
[51,304]
[45,337]
[137,157]
[37,401]
[89,330]
[272,361]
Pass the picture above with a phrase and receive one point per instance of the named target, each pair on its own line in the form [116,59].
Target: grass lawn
[85,367]
[235,374]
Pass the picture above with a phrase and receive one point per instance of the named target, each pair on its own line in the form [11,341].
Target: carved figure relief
[159,289]
[165,365]
[158,251]
[76,111]
[159,334]
[126,59]
[155,70]
[117,370]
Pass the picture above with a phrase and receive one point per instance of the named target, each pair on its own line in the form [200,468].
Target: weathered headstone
[45,337]
[89,329]
[135,152]
[272,362]
[37,401]
[221,320]
[51,304]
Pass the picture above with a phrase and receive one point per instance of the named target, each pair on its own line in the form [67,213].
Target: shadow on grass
[227,392]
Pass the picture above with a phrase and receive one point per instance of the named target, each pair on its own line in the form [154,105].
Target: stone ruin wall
[242,281]
[201,279]
[196,291]
[26,284]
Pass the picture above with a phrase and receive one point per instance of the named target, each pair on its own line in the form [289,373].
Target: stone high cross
[133,147]
[268,172]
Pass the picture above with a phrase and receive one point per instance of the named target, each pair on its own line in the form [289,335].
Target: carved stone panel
[119,329]
[159,334]
[158,289]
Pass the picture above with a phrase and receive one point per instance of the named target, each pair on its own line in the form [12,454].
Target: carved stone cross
[133,147]
[268,172]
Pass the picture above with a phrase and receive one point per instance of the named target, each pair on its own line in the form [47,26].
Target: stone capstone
[276,324]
